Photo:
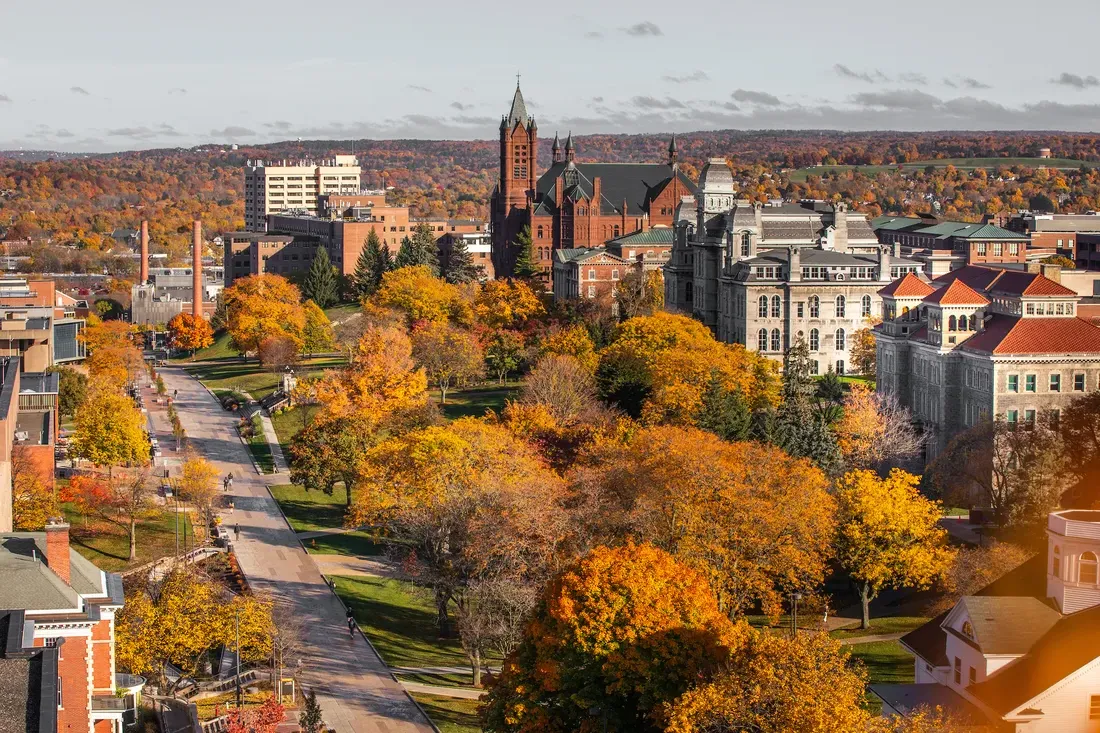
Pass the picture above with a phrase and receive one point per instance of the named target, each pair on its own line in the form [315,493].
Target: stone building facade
[983,343]
[767,276]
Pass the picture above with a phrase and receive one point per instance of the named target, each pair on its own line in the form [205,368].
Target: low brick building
[942,245]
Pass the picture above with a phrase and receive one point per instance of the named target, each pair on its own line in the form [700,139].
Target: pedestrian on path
[237,531]
[351,627]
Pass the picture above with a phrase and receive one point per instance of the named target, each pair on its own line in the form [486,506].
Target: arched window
[840,367]
[541,234]
[762,340]
[762,308]
[777,306]
[840,306]
[1087,573]
[841,341]
[865,306]
[815,340]
[746,244]
[973,323]
[776,340]
[616,231]
[1056,562]
[815,306]
[951,325]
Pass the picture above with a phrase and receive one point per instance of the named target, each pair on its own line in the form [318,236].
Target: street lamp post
[795,598]
[237,629]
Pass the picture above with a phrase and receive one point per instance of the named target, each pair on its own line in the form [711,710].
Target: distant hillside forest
[85,200]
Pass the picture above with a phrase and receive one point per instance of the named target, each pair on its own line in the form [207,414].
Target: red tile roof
[975,276]
[957,293]
[1015,282]
[909,286]
[1013,335]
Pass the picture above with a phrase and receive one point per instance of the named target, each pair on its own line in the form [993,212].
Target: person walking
[351,626]
[237,531]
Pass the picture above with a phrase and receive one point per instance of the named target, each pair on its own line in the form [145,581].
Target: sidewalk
[277,457]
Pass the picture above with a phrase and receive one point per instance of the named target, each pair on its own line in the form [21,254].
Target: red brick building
[573,205]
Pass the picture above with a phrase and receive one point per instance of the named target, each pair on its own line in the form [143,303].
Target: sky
[120,74]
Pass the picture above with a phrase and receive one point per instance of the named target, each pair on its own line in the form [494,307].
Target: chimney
[196,268]
[144,276]
[57,547]
[840,226]
[884,264]
[794,264]
[1053,272]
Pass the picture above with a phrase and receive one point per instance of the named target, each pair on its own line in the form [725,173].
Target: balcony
[108,703]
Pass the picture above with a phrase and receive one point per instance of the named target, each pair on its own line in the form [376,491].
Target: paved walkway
[465,693]
[326,532]
[356,565]
[872,638]
[353,686]
[281,466]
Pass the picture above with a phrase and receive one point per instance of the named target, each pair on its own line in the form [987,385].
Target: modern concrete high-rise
[295,186]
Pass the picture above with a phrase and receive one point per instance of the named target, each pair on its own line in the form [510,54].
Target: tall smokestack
[144,277]
[196,268]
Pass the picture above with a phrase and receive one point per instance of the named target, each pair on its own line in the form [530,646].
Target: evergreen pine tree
[525,266]
[830,387]
[310,720]
[724,413]
[368,273]
[799,429]
[321,285]
[457,264]
[419,250]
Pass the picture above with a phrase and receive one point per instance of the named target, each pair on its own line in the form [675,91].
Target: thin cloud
[913,78]
[233,131]
[948,82]
[694,76]
[79,90]
[281,125]
[597,100]
[869,77]
[418,88]
[5,98]
[593,34]
[645,28]
[177,90]
[746,95]
[898,99]
[1077,82]
[971,83]
[461,107]
[655,103]
[134,133]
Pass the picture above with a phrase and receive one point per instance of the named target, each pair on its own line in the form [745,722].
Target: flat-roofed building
[295,186]
[942,246]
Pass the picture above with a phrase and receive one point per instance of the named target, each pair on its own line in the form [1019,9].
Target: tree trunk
[865,600]
[475,665]
[442,617]
[133,538]
[442,394]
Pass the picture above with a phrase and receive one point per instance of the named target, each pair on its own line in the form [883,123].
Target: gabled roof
[1016,282]
[1006,624]
[1066,647]
[656,235]
[635,183]
[957,293]
[909,286]
[895,223]
[1004,334]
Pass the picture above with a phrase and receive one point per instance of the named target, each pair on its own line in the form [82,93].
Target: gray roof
[1008,624]
[908,697]
[635,183]
[823,258]
[23,560]
[39,382]
[518,112]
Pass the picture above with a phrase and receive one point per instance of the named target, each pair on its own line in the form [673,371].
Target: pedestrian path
[872,638]
[465,693]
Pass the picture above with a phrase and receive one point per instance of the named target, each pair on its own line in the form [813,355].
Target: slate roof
[518,112]
[657,235]
[1008,624]
[1017,282]
[1003,334]
[822,258]
[909,286]
[1064,648]
[34,586]
[908,697]
[957,293]
[636,183]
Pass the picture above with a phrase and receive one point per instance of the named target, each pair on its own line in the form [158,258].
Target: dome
[716,177]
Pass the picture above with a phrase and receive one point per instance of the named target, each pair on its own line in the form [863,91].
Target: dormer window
[968,629]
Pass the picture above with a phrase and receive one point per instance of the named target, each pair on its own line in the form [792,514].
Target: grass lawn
[801,174]
[440,680]
[220,349]
[310,510]
[215,705]
[475,401]
[288,423]
[451,715]
[342,311]
[348,543]
[107,544]
[400,622]
[885,625]
[886,662]
[994,163]
[253,378]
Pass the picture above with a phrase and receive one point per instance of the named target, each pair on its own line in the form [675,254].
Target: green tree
[724,412]
[525,266]
[317,336]
[419,250]
[72,388]
[504,354]
[368,268]
[801,429]
[457,265]
[321,285]
[310,720]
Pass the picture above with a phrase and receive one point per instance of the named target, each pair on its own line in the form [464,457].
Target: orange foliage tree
[260,306]
[190,332]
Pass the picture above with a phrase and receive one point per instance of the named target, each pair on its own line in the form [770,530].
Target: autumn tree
[974,568]
[264,718]
[622,631]
[32,494]
[563,386]
[132,496]
[573,341]
[198,484]
[525,267]
[72,386]
[754,521]
[777,684]
[320,284]
[640,292]
[504,353]
[110,431]
[261,306]
[278,351]
[113,358]
[1080,427]
[862,349]
[457,264]
[370,266]
[448,355]
[1061,260]
[876,430]
[421,296]
[507,304]
[317,334]
[888,535]
[420,250]
[189,332]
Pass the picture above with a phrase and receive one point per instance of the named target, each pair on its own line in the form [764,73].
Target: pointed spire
[672,152]
[518,113]
[570,150]
[555,149]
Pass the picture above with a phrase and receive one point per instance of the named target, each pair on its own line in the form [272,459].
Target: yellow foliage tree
[874,429]
[198,484]
[260,306]
[775,685]
[506,304]
[888,535]
[420,296]
[571,341]
[113,359]
[110,431]
[317,334]
[32,497]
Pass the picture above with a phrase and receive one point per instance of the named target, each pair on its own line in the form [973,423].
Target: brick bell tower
[516,185]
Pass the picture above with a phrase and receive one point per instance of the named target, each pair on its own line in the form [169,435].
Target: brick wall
[72,668]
